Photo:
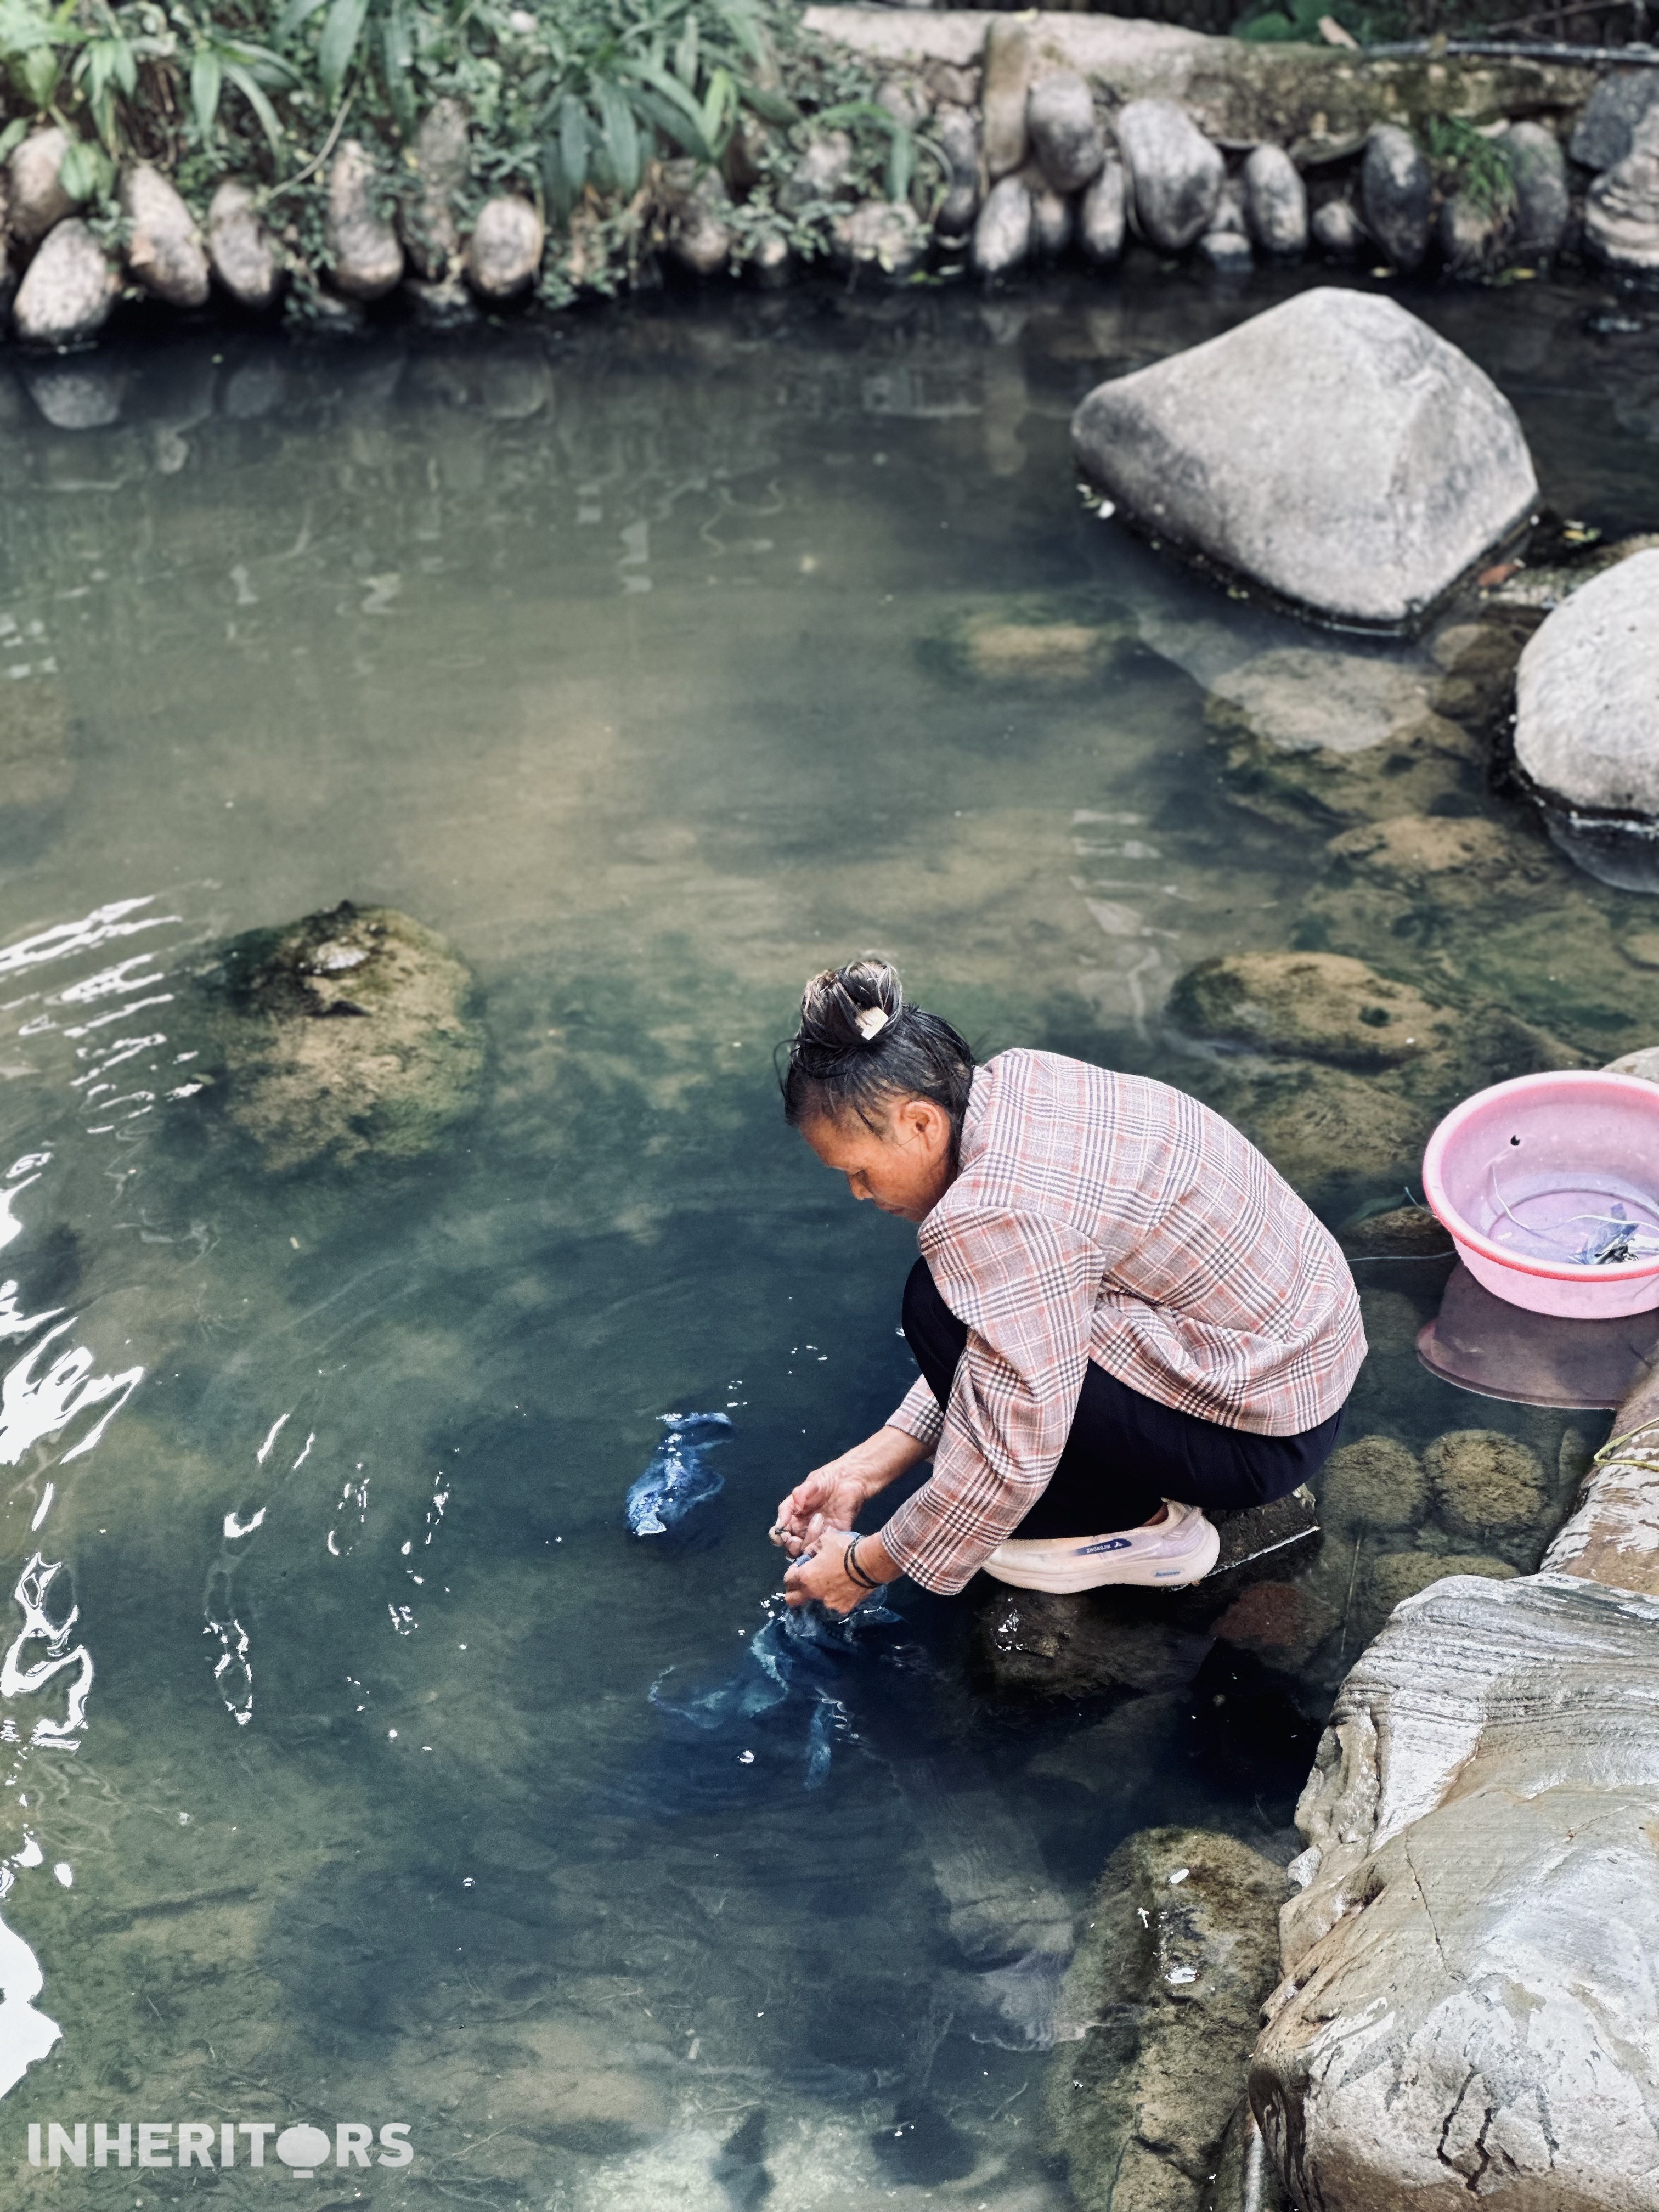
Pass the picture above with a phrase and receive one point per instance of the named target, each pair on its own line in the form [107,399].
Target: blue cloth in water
[679,1476]
[793,1653]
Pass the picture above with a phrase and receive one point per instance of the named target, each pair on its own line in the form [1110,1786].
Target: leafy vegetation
[578,103]
[1467,161]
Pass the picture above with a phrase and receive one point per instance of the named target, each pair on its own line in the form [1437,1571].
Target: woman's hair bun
[847,1009]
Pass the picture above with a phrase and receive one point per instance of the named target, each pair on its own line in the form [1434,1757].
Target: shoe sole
[1068,1574]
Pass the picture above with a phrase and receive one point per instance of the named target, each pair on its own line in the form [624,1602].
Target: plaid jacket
[1106,1217]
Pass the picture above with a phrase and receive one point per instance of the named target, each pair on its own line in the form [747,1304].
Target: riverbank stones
[1587,723]
[1621,208]
[241,249]
[1002,240]
[1276,202]
[1602,136]
[68,290]
[1319,1005]
[1102,216]
[1396,195]
[165,251]
[1179,1951]
[1485,1484]
[1543,203]
[349,1036]
[1396,1576]
[1065,132]
[430,233]
[956,132]
[1175,173]
[504,253]
[1333,450]
[35,197]
[365,257]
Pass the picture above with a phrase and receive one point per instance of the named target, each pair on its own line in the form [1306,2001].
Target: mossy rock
[1180,1949]
[1397,1576]
[1433,763]
[1400,1232]
[1029,644]
[1373,1483]
[1330,1132]
[1485,1484]
[351,1034]
[1310,1005]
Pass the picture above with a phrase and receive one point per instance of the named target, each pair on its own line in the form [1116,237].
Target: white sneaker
[1182,1548]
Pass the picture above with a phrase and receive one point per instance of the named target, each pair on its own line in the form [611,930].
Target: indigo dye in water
[678,1477]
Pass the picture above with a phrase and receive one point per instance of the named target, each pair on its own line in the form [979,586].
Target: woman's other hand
[833,1495]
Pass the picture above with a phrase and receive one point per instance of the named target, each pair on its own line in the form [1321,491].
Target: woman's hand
[833,1495]
[821,1575]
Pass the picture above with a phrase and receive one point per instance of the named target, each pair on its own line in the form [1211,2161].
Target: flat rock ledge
[1468,2012]
[1586,724]
[1334,451]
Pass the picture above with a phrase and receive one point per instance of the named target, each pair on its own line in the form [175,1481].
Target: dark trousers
[1125,1453]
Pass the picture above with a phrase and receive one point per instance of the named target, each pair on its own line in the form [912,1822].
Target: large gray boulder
[1621,208]
[1469,2014]
[1396,195]
[1276,202]
[504,253]
[1065,133]
[1587,723]
[36,199]
[241,249]
[67,291]
[1174,172]
[1002,238]
[365,257]
[165,251]
[1604,133]
[1334,449]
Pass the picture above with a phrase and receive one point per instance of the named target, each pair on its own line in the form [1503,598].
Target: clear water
[627,656]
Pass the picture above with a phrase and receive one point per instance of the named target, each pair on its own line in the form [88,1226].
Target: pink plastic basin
[1522,1172]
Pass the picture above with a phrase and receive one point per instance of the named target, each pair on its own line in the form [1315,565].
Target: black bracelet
[855,1572]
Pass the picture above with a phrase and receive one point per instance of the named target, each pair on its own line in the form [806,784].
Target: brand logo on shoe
[1110,1544]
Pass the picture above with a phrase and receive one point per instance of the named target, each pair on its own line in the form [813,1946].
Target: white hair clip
[871,1022]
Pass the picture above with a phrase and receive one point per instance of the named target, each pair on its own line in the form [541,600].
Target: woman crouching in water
[1121,1313]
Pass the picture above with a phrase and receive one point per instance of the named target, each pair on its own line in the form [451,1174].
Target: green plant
[1277,21]
[1466,161]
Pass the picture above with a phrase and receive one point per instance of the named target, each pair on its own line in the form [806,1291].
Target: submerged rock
[1180,1948]
[1334,449]
[1175,171]
[1375,1483]
[1403,1232]
[1298,699]
[164,247]
[35,765]
[85,394]
[1397,194]
[365,258]
[1276,202]
[241,249]
[1469,1990]
[1032,1643]
[1282,1623]
[1587,723]
[68,290]
[1485,1484]
[1396,1576]
[348,1034]
[1065,133]
[1318,1005]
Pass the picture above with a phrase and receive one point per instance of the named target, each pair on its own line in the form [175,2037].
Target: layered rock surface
[1333,450]
[1468,2011]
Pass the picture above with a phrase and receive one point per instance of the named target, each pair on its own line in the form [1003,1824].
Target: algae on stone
[1373,1483]
[350,1033]
[1180,1950]
[1485,1484]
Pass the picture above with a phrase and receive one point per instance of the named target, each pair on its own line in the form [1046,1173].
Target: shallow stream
[655,660]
